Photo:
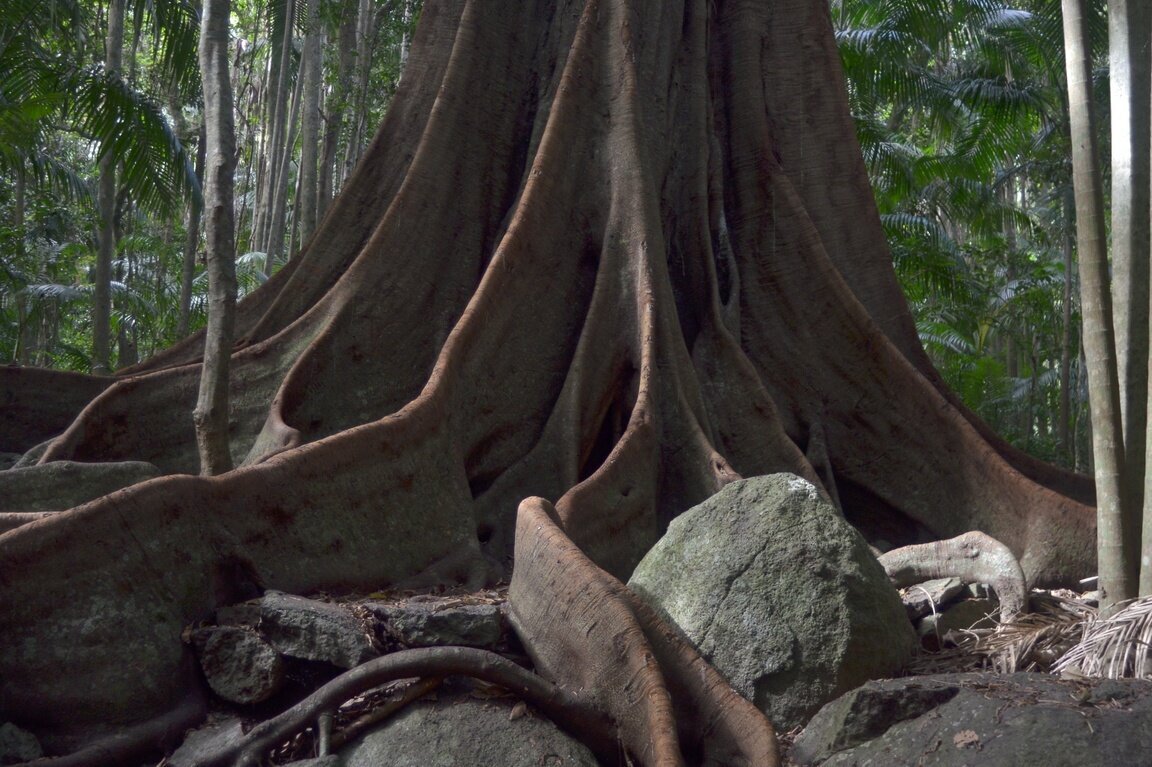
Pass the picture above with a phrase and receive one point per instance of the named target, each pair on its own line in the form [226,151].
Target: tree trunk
[106,210]
[211,413]
[313,63]
[191,242]
[603,255]
[1117,571]
[1130,78]
[337,105]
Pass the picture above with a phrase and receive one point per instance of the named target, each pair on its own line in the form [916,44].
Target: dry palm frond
[1032,642]
[1114,647]
[1037,640]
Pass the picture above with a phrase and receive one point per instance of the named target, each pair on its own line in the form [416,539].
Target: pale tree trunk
[106,206]
[1129,76]
[1117,577]
[1064,430]
[279,210]
[337,106]
[278,90]
[313,64]
[211,413]
[365,37]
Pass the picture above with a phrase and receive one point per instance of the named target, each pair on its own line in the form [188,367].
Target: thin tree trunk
[191,244]
[1064,432]
[365,36]
[1129,76]
[306,206]
[1117,576]
[106,205]
[278,92]
[337,106]
[279,210]
[211,413]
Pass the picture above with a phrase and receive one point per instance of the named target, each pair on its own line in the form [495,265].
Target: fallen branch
[973,557]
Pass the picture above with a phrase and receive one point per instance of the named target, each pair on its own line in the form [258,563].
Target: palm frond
[157,171]
[1114,647]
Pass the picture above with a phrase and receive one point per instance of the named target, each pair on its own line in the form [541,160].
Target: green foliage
[960,112]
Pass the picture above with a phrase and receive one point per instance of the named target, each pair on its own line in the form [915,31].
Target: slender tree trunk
[191,243]
[1064,429]
[211,413]
[106,207]
[279,211]
[1131,85]
[337,106]
[275,173]
[1117,576]
[310,122]
[365,38]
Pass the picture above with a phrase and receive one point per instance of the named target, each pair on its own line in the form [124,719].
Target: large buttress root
[588,633]
[611,253]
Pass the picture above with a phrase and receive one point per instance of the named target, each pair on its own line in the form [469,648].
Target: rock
[418,624]
[780,594]
[8,460]
[466,732]
[239,665]
[969,614]
[18,746]
[63,484]
[313,630]
[930,596]
[206,742]
[994,720]
[332,760]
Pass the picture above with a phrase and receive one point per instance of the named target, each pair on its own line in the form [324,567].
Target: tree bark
[1130,78]
[1117,571]
[603,255]
[106,207]
[313,62]
[211,413]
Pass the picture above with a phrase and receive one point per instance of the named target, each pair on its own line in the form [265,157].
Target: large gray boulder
[466,732]
[780,594]
[993,720]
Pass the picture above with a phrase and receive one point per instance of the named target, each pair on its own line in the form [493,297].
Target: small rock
[206,742]
[928,597]
[17,745]
[962,616]
[312,630]
[426,625]
[239,665]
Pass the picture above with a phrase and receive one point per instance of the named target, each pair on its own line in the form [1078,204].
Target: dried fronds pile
[1114,647]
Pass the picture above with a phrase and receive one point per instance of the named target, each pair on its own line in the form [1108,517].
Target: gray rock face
[312,630]
[420,625]
[991,720]
[239,665]
[464,733]
[18,746]
[63,484]
[780,594]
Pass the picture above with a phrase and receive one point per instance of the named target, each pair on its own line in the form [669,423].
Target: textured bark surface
[609,253]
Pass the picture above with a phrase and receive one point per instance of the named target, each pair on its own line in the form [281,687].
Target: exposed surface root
[973,557]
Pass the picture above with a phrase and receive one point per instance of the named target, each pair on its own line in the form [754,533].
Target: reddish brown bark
[611,253]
